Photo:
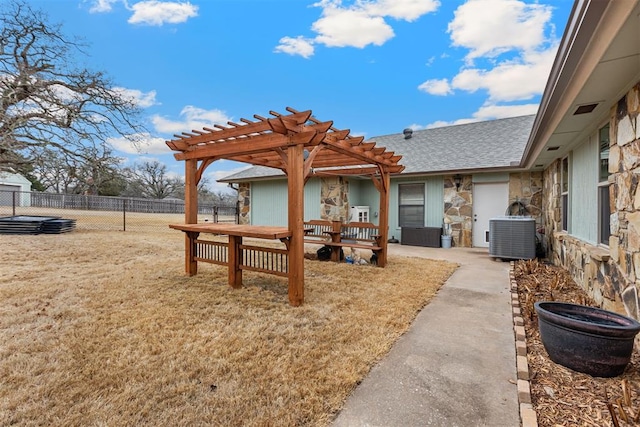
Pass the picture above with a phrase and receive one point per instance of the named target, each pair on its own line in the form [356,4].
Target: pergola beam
[361,171]
[236,131]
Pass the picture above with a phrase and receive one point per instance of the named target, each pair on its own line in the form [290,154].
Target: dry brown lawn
[103,328]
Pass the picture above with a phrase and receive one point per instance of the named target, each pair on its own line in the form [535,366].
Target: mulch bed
[560,396]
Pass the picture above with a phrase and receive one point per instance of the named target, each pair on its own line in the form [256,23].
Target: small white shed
[14,188]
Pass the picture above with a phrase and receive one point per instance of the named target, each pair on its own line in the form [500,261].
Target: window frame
[401,216]
[604,210]
[565,186]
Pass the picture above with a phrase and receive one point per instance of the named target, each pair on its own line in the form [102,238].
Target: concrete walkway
[456,364]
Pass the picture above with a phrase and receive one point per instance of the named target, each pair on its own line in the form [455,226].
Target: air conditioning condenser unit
[512,237]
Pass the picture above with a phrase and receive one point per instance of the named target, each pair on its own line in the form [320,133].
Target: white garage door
[6,194]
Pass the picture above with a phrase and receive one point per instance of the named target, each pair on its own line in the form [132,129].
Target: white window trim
[599,186]
[566,193]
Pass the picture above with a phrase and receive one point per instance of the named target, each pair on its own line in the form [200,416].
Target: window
[564,192]
[411,205]
[604,211]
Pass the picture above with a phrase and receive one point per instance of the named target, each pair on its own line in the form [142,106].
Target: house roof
[13,178]
[471,147]
[493,144]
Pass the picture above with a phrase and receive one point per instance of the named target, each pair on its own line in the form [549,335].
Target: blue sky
[374,66]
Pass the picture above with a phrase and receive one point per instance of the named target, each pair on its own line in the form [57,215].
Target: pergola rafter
[257,141]
[301,146]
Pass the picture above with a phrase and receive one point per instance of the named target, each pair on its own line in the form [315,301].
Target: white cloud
[102,6]
[150,12]
[491,27]
[359,25]
[216,174]
[408,10]
[153,12]
[145,144]
[141,99]
[511,48]
[495,111]
[518,79]
[193,118]
[486,112]
[443,123]
[351,27]
[436,87]
[296,46]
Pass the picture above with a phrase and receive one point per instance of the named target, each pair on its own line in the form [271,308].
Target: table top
[256,231]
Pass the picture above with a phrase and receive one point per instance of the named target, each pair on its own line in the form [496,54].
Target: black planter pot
[586,339]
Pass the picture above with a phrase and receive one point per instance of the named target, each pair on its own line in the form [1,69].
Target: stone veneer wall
[525,187]
[244,202]
[458,210]
[610,276]
[334,199]
[551,207]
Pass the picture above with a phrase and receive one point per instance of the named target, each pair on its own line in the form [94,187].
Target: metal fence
[110,213]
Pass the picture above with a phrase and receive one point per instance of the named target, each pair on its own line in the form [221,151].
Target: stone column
[244,202]
[458,210]
[334,199]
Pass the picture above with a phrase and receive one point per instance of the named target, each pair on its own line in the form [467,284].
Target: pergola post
[295,187]
[190,214]
[383,219]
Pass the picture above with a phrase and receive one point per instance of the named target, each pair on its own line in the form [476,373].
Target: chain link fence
[110,213]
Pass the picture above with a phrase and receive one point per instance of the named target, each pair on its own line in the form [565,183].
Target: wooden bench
[357,235]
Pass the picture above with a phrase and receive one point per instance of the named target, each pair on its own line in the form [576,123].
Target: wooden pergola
[299,145]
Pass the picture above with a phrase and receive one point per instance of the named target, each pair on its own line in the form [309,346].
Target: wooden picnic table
[236,233]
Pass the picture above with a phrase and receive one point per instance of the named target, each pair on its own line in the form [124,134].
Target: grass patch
[104,328]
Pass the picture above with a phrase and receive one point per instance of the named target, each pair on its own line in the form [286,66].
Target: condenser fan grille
[512,237]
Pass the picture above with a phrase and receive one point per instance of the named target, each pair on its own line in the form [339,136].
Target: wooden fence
[106,203]
[109,213]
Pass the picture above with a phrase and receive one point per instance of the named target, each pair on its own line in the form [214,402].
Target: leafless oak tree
[101,175]
[47,102]
[151,180]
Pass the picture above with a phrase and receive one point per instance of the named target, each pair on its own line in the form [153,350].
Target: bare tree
[47,103]
[151,180]
[55,172]
[99,175]
[205,195]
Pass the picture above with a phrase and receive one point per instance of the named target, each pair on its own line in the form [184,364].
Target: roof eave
[591,28]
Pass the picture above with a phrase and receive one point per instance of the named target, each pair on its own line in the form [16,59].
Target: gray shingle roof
[471,146]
